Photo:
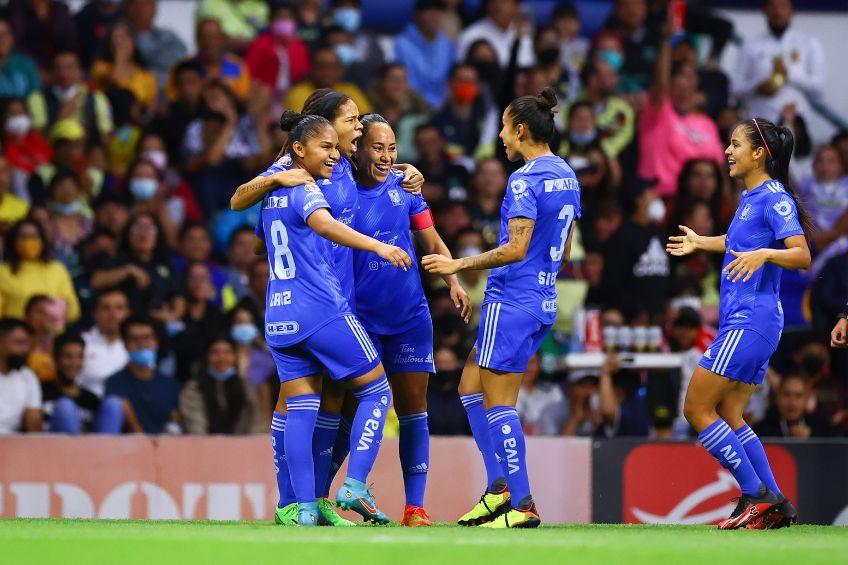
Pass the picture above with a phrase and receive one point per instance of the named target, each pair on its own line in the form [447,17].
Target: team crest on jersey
[783,208]
[395,197]
[284,161]
[325,181]
[518,186]
[745,210]
[313,188]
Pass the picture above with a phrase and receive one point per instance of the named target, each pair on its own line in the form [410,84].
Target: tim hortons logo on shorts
[683,484]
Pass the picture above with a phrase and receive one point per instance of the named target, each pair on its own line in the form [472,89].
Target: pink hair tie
[763,138]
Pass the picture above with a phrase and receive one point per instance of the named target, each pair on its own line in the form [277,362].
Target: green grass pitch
[24,541]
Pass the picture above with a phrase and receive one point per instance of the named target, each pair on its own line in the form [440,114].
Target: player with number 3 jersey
[542,203]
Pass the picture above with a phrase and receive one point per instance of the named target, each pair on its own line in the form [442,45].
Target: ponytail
[779,142]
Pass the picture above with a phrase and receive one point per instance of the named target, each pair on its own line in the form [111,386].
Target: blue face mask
[613,58]
[222,376]
[244,333]
[346,53]
[173,327]
[66,209]
[348,19]
[144,358]
[583,138]
[144,189]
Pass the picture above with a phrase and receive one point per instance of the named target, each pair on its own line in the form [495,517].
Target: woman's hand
[839,335]
[440,265]
[461,301]
[680,245]
[413,180]
[292,177]
[745,264]
[395,255]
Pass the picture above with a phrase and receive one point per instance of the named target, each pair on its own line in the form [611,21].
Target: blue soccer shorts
[342,347]
[508,337]
[410,351]
[739,354]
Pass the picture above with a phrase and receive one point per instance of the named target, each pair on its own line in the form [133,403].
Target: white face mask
[157,157]
[18,125]
[656,210]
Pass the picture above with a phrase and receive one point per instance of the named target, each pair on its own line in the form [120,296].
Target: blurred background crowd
[131,300]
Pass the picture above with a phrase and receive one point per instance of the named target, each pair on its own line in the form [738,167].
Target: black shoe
[782,516]
[751,508]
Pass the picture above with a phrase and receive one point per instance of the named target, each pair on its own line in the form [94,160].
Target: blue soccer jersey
[303,292]
[340,193]
[544,190]
[389,300]
[766,216]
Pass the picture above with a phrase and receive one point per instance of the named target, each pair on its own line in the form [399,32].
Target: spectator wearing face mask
[71,226]
[180,205]
[26,149]
[19,77]
[359,51]
[70,408]
[151,399]
[219,400]
[20,393]
[426,52]
[564,79]
[240,20]
[28,269]
[277,58]
[465,121]
[148,194]
[641,41]
[636,266]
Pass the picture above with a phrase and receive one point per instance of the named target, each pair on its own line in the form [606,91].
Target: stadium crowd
[129,293]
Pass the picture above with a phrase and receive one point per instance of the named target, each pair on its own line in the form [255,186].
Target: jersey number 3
[567,214]
[282,266]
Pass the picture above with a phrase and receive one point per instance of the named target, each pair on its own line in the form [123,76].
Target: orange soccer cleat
[414,516]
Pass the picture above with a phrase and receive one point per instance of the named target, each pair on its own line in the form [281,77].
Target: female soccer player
[390,303]
[330,446]
[541,204]
[768,233]
[309,325]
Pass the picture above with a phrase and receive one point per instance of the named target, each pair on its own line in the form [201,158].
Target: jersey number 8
[282,267]
[567,214]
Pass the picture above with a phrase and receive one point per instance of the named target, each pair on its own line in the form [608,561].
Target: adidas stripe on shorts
[738,353]
[342,346]
[508,337]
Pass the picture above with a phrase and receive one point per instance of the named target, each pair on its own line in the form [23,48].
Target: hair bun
[289,119]
[547,99]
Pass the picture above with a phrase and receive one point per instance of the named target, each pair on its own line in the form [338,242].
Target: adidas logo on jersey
[709,353]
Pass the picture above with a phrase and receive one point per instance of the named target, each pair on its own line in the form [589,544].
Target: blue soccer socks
[757,456]
[300,424]
[508,441]
[473,404]
[723,444]
[281,467]
[414,451]
[367,429]
[323,440]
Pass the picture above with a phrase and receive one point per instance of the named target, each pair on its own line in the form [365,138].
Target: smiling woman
[769,231]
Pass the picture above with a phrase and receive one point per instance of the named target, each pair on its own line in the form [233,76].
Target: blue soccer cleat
[354,495]
[308,514]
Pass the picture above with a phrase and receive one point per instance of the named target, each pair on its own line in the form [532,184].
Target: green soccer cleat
[287,515]
[329,516]
[491,505]
[354,495]
[524,516]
